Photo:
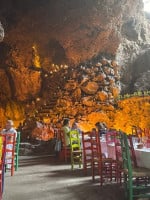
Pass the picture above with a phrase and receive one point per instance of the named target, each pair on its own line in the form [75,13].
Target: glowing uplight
[146,5]
[36,58]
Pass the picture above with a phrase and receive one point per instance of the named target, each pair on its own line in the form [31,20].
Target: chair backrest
[148,143]
[111,137]
[132,152]
[61,136]
[147,132]
[137,131]
[17,143]
[137,184]
[2,150]
[75,142]
[127,163]
[86,141]
[10,143]
[96,146]
[119,152]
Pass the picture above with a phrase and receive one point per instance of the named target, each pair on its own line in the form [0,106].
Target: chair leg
[16,163]
[12,167]
[72,161]
[1,186]
[3,173]
[130,190]
[5,168]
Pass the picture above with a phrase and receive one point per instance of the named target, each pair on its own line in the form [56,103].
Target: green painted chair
[76,152]
[136,180]
[17,151]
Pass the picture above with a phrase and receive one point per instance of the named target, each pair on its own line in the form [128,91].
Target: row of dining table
[142,154]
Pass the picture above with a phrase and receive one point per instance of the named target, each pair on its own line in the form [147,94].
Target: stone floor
[45,178]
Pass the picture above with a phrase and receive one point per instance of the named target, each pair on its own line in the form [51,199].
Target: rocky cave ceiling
[46,41]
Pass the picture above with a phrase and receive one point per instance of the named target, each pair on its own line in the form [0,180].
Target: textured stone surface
[41,34]
[27,83]
[1,33]
[69,32]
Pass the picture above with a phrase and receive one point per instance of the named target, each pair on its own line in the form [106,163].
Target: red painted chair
[104,167]
[137,131]
[10,152]
[132,152]
[148,143]
[86,151]
[146,132]
[2,162]
[65,153]
[112,138]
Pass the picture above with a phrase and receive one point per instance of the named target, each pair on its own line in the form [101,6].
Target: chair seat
[89,154]
[107,160]
[140,172]
[104,160]
[77,151]
[9,157]
[136,179]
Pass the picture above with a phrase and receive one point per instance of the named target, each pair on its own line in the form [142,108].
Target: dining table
[142,154]
[143,157]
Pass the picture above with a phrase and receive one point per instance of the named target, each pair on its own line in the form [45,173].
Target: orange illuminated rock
[102,96]
[90,88]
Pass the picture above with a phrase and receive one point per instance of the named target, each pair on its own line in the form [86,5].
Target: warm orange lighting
[36,58]
[38,99]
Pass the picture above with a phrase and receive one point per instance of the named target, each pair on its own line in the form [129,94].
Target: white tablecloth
[143,157]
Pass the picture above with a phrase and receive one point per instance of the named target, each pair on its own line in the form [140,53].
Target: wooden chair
[10,152]
[75,145]
[2,163]
[132,152]
[147,132]
[148,143]
[137,131]
[17,151]
[136,180]
[65,153]
[118,153]
[86,151]
[104,167]
[113,139]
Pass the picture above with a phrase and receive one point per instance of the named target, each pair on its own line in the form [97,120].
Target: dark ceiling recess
[4,55]
[57,52]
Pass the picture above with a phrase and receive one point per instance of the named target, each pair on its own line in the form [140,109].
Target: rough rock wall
[1,33]
[42,33]
[133,51]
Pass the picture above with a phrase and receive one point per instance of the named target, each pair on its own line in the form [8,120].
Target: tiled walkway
[44,178]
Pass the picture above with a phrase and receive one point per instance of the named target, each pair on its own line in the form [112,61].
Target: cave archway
[56,51]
